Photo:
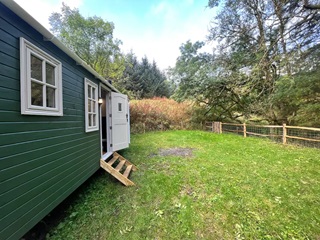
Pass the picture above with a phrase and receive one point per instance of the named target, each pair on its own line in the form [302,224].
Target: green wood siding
[42,159]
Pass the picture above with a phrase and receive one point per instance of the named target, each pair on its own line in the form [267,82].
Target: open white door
[119,121]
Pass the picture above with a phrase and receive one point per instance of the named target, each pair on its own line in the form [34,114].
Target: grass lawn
[230,188]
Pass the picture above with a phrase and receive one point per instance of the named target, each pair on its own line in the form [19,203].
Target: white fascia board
[48,36]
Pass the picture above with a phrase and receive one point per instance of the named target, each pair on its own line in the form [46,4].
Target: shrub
[159,114]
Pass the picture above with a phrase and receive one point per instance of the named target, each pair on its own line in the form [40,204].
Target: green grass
[232,188]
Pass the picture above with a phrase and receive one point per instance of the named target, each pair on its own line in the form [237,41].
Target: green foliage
[159,114]
[265,52]
[91,39]
[213,86]
[142,79]
[231,188]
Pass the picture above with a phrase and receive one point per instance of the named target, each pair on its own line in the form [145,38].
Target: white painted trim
[129,129]
[87,83]
[48,36]
[100,123]
[108,119]
[109,122]
[26,49]
[106,156]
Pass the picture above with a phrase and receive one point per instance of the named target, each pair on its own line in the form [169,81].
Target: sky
[152,28]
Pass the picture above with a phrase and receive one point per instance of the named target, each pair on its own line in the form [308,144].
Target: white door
[119,121]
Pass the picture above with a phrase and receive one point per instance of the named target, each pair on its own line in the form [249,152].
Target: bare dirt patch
[181,152]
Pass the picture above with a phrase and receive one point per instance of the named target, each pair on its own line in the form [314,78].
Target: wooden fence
[305,136]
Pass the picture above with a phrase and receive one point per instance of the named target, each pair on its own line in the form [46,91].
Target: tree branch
[306,5]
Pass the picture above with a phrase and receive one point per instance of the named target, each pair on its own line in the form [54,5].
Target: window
[91,106]
[41,81]
[119,107]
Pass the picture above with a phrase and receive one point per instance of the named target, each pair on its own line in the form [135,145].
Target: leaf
[73,214]
[61,225]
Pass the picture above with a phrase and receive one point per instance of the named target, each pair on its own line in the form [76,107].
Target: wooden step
[115,171]
[127,171]
[134,168]
[120,165]
[112,161]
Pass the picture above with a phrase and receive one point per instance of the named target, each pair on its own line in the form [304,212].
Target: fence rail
[305,136]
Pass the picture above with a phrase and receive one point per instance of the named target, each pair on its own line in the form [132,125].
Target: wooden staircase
[119,167]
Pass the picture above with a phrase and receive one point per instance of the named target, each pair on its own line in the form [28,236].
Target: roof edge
[48,36]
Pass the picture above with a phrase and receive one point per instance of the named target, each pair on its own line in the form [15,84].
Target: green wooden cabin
[53,130]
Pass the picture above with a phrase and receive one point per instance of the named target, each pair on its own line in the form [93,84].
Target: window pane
[36,94]
[94,106]
[93,93]
[51,97]
[50,74]
[36,68]
[94,120]
[89,105]
[90,120]
[89,91]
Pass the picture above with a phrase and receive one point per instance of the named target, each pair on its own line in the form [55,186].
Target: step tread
[112,161]
[120,165]
[127,171]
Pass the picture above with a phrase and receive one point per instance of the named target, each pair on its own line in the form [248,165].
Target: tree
[91,39]
[274,41]
[143,79]
[265,51]
[204,79]
[308,5]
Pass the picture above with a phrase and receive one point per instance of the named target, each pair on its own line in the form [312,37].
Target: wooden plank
[120,165]
[112,161]
[25,200]
[21,137]
[127,163]
[9,94]
[263,135]
[38,144]
[11,83]
[116,174]
[304,128]
[53,172]
[284,134]
[253,125]
[45,202]
[237,131]
[306,139]
[25,172]
[264,126]
[233,124]
[127,171]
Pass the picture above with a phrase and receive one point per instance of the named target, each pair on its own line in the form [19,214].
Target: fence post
[244,130]
[220,127]
[212,126]
[284,133]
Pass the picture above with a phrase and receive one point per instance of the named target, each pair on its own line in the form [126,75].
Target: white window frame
[88,83]
[26,49]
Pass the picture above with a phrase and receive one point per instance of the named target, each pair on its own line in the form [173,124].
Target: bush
[159,114]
